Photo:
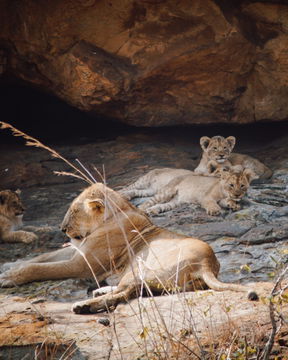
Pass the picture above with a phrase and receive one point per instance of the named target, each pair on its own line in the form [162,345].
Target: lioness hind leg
[105,302]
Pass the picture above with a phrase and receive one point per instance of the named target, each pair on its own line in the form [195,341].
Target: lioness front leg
[57,255]
[28,272]
[19,236]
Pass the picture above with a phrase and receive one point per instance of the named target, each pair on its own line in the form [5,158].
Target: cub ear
[250,175]
[18,191]
[231,141]
[212,166]
[96,205]
[204,142]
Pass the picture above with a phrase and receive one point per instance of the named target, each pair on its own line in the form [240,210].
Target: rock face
[153,63]
[251,245]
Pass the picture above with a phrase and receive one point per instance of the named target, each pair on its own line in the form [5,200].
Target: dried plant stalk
[31,141]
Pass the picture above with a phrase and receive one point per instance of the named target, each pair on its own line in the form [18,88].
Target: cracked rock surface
[250,243]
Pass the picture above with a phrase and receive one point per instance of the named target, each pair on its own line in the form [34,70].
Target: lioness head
[10,204]
[92,208]
[235,182]
[217,148]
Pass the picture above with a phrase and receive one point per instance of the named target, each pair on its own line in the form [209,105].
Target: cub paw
[153,210]
[233,206]
[213,210]
[6,281]
[28,237]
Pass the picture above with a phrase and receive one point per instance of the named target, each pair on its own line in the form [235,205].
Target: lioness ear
[212,166]
[96,205]
[204,142]
[231,141]
[250,175]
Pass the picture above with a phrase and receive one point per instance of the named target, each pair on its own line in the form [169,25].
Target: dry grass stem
[31,141]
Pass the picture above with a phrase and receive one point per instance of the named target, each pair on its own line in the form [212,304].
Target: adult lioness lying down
[115,237]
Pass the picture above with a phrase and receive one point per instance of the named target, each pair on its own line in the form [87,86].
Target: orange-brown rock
[153,63]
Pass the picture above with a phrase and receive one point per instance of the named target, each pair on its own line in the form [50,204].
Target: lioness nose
[63,229]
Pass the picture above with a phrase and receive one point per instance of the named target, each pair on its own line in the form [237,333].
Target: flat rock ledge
[185,322]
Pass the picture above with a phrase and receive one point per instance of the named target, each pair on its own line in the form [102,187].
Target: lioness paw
[81,307]
[103,291]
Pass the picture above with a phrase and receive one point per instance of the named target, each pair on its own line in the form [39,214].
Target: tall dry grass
[158,339]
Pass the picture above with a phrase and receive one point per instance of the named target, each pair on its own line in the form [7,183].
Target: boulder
[153,63]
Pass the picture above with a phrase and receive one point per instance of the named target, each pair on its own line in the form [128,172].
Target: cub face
[235,182]
[217,148]
[11,205]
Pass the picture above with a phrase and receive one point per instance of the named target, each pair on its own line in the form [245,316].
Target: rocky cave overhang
[153,63]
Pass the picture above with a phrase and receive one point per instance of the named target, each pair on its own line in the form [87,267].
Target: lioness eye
[242,186]
[214,148]
[231,185]
[225,148]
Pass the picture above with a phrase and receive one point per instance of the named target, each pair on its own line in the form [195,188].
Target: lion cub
[211,193]
[148,184]
[220,149]
[11,213]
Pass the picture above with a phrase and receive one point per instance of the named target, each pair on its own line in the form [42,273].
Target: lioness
[11,213]
[112,236]
[220,149]
[227,190]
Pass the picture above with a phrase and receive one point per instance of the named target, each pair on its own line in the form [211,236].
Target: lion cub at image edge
[225,189]
[220,149]
[11,213]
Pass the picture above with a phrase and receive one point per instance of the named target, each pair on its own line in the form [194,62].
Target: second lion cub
[211,193]
[11,213]
[220,149]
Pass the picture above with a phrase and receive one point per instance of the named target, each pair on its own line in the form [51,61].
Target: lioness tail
[214,284]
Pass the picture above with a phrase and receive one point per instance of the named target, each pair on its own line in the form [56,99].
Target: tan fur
[11,213]
[115,237]
[220,149]
[211,193]
[150,183]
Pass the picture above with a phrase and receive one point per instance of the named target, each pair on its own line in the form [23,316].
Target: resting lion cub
[220,149]
[211,193]
[115,237]
[11,213]
[148,184]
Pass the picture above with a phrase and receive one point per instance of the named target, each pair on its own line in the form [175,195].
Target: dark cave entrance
[52,120]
